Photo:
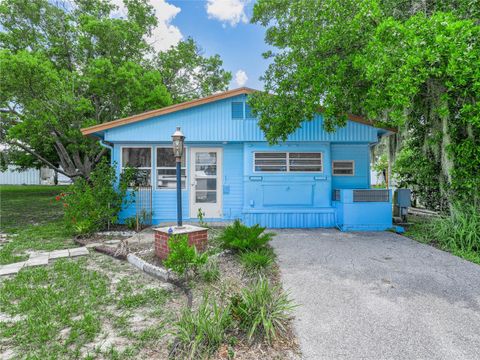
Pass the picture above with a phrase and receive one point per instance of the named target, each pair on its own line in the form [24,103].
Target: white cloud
[241,77]
[227,11]
[165,34]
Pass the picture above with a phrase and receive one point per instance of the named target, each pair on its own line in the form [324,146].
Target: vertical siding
[214,122]
[13,177]
[232,181]
[360,153]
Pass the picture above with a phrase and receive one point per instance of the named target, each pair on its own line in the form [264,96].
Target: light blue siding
[213,123]
[360,154]
[277,200]
[362,216]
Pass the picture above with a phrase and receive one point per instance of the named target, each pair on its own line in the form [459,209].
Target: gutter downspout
[106,144]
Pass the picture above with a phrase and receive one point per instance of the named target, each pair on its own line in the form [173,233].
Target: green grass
[32,218]
[458,233]
[49,300]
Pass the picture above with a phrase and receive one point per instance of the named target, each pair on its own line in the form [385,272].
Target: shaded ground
[378,296]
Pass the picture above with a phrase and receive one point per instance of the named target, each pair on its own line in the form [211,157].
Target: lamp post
[178,140]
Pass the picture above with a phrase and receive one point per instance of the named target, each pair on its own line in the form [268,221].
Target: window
[343,167]
[288,161]
[139,158]
[166,169]
[237,110]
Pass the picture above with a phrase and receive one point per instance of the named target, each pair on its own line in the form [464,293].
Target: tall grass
[200,332]
[262,310]
[458,232]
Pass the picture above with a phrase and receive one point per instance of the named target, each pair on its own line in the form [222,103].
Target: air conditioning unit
[401,203]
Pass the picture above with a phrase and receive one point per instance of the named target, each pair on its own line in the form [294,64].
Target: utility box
[401,202]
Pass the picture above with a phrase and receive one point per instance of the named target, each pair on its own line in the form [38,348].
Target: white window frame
[287,158]
[163,167]
[142,168]
[350,161]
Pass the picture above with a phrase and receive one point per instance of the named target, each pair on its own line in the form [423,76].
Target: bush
[182,257]
[257,260]
[210,272]
[239,237]
[262,310]
[94,204]
[199,333]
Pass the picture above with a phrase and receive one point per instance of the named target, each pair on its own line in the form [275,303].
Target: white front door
[206,182]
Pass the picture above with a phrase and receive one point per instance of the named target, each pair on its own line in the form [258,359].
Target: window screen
[166,169]
[139,158]
[343,167]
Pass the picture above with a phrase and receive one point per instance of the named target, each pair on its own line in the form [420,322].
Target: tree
[408,64]
[68,65]
[187,74]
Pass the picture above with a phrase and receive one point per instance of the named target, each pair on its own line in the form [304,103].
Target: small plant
[239,237]
[262,311]
[257,260]
[131,223]
[200,216]
[210,272]
[199,333]
[183,258]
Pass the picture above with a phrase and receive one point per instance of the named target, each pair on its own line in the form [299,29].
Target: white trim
[185,154]
[350,161]
[287,159]
[141,168]
[193,207]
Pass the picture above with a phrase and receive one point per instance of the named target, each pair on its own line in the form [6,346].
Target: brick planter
[197,236]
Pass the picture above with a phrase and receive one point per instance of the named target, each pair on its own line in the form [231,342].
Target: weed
[210,272]
[199,333]
[262,310]
[257,260]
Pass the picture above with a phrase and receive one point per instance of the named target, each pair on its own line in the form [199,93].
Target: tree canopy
[410,64]
[68,65]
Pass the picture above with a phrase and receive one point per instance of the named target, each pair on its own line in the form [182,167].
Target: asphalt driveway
[379,296]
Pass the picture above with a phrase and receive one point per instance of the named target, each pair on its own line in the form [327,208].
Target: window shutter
[248,112]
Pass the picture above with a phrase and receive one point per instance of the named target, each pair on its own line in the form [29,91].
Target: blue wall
[213,123]
[360,154]
[271,199]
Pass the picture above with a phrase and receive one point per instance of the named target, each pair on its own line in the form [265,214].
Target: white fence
[43,176]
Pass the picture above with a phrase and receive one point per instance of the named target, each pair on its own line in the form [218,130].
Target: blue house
[314,179]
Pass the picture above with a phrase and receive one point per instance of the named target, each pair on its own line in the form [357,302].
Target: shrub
[182,257]
[94,204]
[210,272]
[199,333]
[262,310]
[257,260]
[239,237]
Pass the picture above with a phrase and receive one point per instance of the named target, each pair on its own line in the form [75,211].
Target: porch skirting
[311,218]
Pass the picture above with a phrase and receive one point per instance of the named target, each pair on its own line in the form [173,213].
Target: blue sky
[225,30]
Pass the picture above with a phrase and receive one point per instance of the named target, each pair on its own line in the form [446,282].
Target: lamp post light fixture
[178,140]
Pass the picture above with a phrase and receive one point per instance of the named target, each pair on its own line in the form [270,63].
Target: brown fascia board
[166,110]
[90,131]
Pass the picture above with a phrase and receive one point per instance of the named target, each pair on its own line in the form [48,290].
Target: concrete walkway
[42,258]
[379,296]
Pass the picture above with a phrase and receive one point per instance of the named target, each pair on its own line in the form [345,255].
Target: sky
[219,27]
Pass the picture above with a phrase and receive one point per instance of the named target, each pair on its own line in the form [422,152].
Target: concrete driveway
[379,296]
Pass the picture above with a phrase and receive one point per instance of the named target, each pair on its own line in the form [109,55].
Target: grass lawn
[32,218]
[98,307]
